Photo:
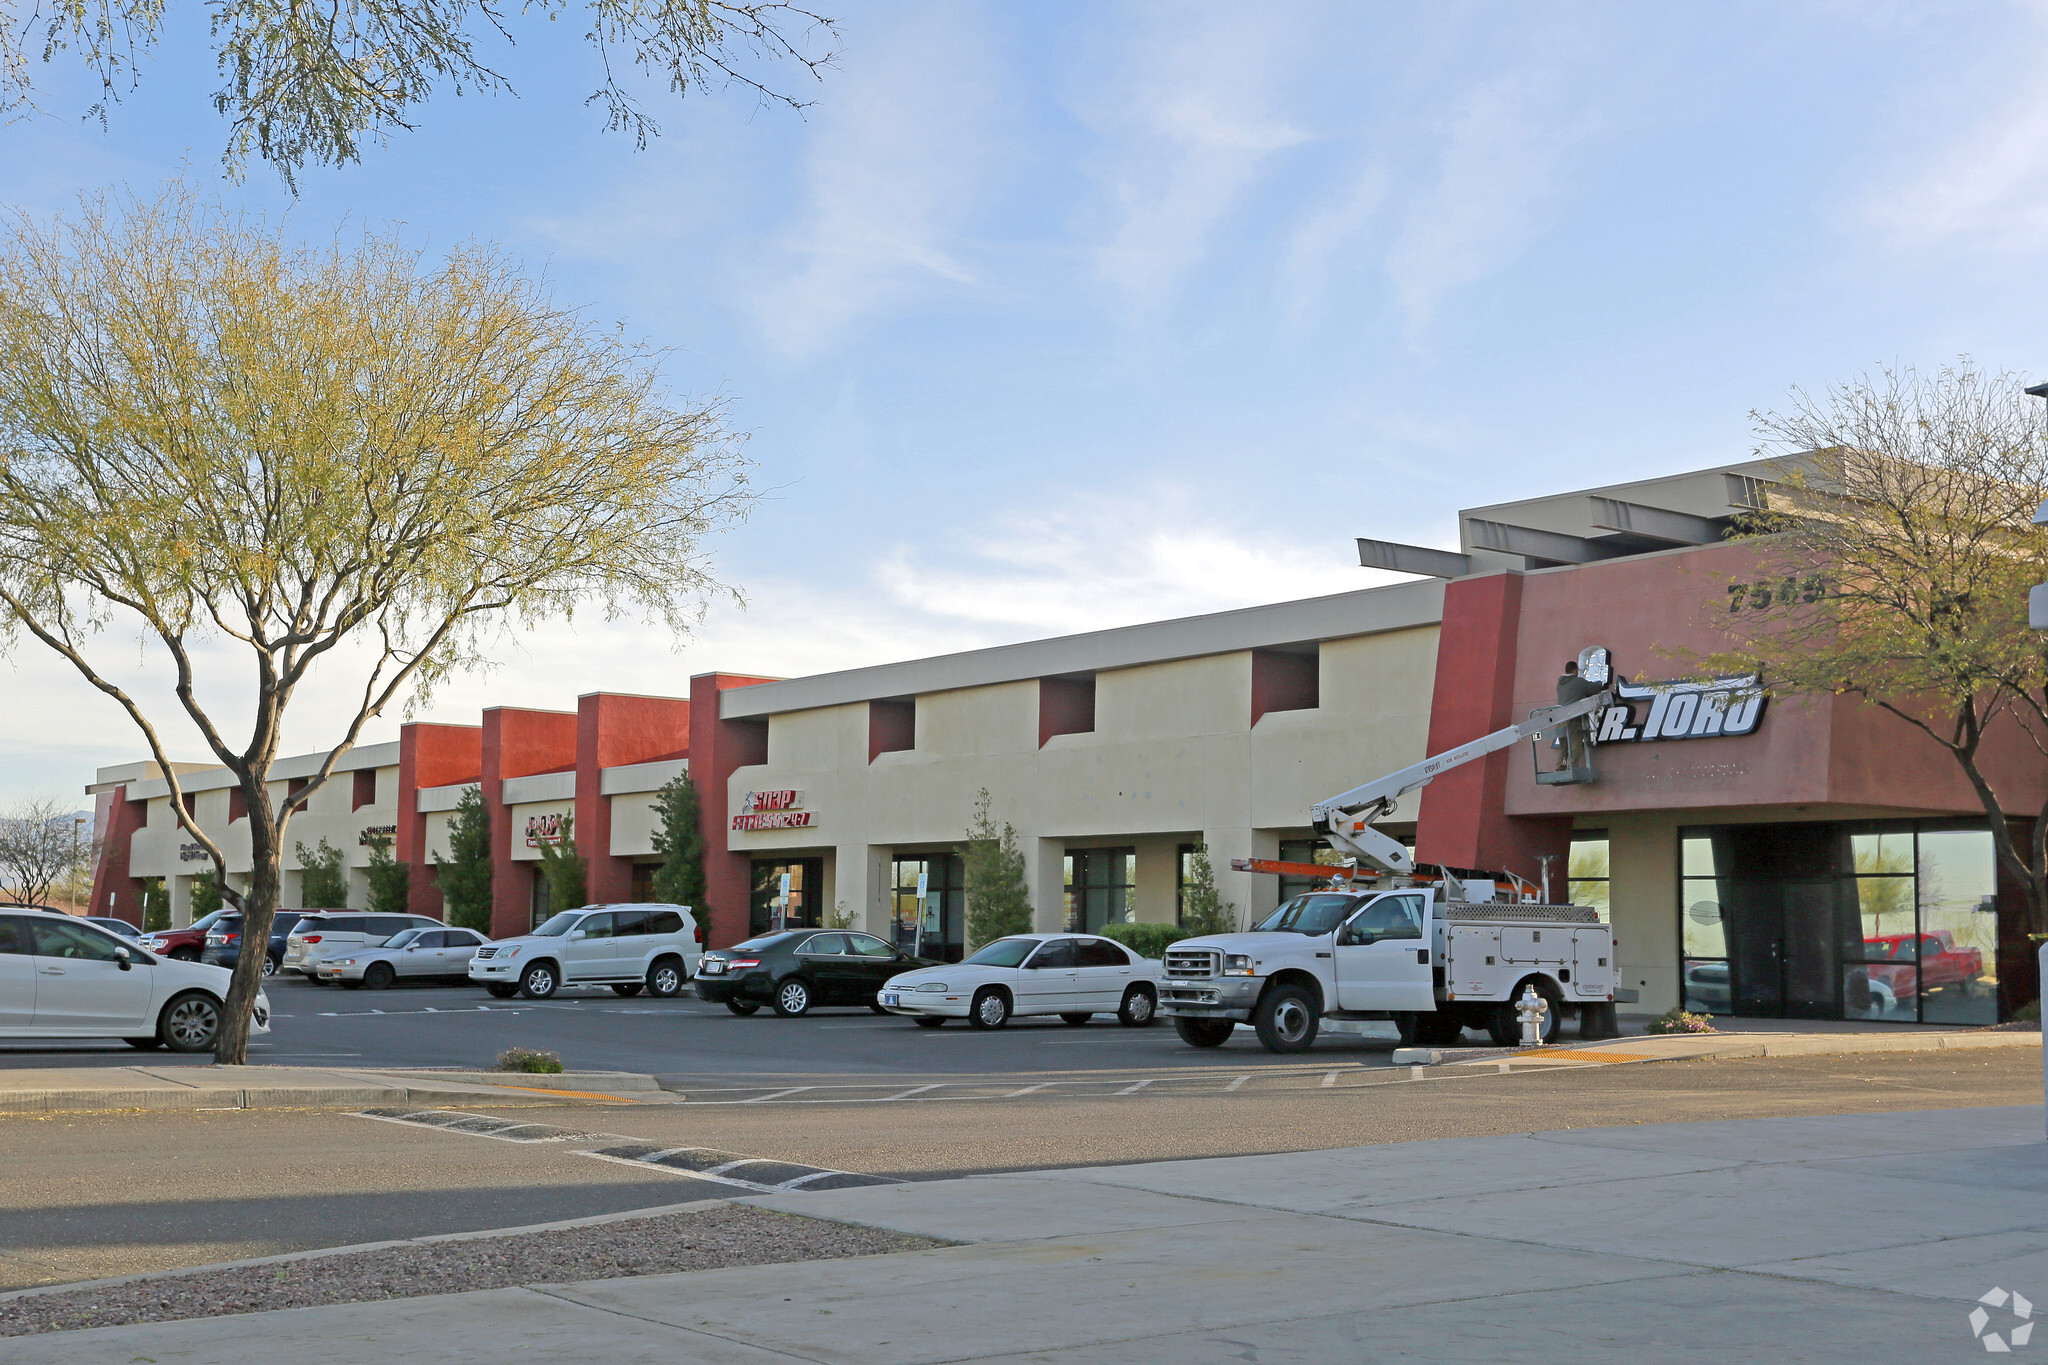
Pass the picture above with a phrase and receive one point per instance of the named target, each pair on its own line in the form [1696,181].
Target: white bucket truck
[1433,953]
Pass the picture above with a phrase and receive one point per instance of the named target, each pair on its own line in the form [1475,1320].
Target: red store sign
[774,819]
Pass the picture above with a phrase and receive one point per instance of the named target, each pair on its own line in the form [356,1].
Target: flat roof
[1366,611]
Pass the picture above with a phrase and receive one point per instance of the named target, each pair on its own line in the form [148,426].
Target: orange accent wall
[429,755]
[612,730]
[518,743]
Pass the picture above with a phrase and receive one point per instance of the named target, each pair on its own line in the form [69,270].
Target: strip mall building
[1805,858]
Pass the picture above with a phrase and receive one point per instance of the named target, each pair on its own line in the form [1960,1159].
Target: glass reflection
[1706,987]
[1696,856]
[1958,935]
[1705,933]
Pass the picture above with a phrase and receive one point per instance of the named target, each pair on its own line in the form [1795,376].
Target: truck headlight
[1237,964]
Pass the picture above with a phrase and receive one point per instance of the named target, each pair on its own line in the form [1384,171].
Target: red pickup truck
[1941,962]
[188,943]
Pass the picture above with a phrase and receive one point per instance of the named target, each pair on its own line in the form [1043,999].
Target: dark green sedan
[796,971]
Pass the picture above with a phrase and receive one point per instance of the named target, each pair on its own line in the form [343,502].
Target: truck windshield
[1311,914]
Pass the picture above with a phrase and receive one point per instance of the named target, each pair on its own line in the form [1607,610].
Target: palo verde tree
[311,83]
[232,446]
[39,849]
[1896,556]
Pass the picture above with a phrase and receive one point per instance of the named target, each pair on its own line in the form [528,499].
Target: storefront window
[1587,872]
[1102,887]
[934,927]
[1301,851]
[1894,921]
[769,910]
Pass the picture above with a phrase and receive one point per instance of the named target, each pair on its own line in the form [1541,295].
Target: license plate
[891,998]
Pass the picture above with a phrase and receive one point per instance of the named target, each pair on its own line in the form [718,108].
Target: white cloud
[893,175]
[1305,267]
[1990,182]
[1189,141]
[1495,182]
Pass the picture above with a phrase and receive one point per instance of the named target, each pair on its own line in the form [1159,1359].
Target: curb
[1732,1046]
[259,1097]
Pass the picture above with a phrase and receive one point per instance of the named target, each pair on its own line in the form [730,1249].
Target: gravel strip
[708,1239]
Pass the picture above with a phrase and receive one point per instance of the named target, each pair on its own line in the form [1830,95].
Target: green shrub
[156,906]
[1202,908]
[565,868]
[206,897]
[527,1060]
[1678,1021]
[390,880]
[998,898]
[1146,940]
[464,876]
[679,839]
[322,883]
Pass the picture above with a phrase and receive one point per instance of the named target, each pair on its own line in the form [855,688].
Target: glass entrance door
[935,926]
[1783,950]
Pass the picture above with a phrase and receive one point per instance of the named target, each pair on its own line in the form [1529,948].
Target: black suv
[224,941]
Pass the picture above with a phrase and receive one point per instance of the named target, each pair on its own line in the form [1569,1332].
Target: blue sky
[1050,317]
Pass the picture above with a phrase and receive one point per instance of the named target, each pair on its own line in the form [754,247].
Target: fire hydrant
[1531,1009]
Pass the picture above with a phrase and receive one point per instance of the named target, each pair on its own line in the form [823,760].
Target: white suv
[626,947]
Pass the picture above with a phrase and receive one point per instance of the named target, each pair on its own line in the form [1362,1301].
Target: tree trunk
[259,909]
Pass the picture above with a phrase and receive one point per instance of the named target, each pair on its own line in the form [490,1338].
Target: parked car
[188,943]
[120,927]
[627,947]
[799,969]
[1075,976]
[321,934]
[67,978]
[224,941]
[413,955]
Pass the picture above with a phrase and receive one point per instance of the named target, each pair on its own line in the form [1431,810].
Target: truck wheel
[1439,1028]
[1204,1032]
[1507,1029]
[665,978]
[539,981]
[1286,1019]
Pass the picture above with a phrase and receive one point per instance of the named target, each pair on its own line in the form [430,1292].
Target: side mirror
[575,934]
[121,959]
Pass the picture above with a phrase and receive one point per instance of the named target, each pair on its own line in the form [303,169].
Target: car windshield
[1312,914]
[560,924]
[215,918]
[762,944]
[1004,952]
[403,937]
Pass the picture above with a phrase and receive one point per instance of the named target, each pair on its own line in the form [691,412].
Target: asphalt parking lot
[683,1038]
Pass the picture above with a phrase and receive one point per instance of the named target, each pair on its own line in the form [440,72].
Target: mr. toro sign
[1680,708]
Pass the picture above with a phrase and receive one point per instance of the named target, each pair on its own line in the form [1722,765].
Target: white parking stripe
[1236,1083]
[1329,1079]
[1135,1087]
[1042,1085]
[793,1090]
[917,1090]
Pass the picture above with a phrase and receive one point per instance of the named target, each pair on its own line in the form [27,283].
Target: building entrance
[936,926]
[768,910]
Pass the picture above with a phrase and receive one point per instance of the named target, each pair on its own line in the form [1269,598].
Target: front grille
[1191,963]
[487,952]
[1184,995]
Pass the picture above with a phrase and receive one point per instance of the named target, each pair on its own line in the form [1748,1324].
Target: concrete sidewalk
[1736,1042]
[1860,1238]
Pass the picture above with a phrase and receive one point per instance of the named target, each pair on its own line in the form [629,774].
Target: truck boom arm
[1346,819]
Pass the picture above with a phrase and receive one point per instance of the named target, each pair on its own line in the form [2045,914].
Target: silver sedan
[413,955]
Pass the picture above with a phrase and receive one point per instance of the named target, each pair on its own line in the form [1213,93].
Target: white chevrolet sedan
[1075,976]
[414,954]
[61,977]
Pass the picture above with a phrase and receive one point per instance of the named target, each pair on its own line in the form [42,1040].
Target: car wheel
[629,989]
[1506,1027]
[1076,1020]
[144,1044]
[539,982]
[793,998]
[1139,1008]
[1286,1019]
[1204,1032]
[991,1008]
[378,976]
[270,967]
[665,978]
[929,1020]
[501,990]
[190,1023]
[742,1008]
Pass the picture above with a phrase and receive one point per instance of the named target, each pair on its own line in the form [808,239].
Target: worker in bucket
[1571,738]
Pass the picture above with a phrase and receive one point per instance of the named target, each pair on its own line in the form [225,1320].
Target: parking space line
[1235,1084]
[776,1095]
[1136,1086]
[1329,1079]
[914,1090]
[1042,1085]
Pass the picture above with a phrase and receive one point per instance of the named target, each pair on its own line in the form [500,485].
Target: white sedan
[416,954]
[1075,976]
[61,977]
